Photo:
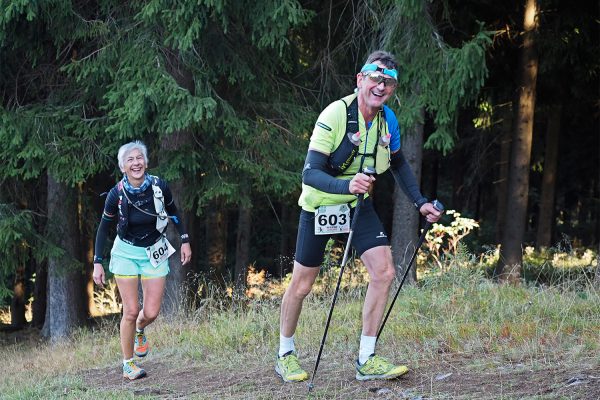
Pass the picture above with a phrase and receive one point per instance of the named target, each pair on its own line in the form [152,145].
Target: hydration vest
[348,149]
[162,218]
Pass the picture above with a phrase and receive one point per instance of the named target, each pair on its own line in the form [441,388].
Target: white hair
[127,148]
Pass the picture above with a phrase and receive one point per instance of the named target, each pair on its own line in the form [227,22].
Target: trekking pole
[361,197]
[438,206]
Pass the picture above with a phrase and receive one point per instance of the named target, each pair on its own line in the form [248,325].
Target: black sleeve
[405,178]
[314,174]
[108,216]
[172,211]
[101,239]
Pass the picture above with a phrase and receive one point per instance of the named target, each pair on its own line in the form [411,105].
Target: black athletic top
[140,228]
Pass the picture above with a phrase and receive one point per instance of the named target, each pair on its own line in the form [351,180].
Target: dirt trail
[452,378]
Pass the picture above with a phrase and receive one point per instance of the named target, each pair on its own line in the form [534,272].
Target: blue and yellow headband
[374,67]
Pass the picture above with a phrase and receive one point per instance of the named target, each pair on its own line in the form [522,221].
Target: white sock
[286,344]
[367,347]
[139,331]
[126,361]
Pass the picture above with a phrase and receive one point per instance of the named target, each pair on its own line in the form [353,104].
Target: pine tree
[435,80]
[81,79]
[508,268]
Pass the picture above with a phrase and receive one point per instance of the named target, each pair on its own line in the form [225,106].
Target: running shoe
[377,367]
[288,368]
[132,371]
[140,345]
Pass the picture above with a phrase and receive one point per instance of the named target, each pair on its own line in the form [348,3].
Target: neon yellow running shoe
[131,371]
[288,368]
[377,367]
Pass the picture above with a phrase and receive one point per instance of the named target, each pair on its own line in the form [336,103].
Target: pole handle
[369,171]
[438,205]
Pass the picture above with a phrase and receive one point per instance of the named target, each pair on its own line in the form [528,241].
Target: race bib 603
[332,219]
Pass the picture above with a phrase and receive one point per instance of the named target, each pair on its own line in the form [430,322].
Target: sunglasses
[377,78]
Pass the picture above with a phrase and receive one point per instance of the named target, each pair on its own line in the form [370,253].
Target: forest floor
[450,377]
[462,336]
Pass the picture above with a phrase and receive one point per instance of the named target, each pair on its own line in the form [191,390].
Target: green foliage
[110,73]
[18,237]
[433,75]
[11,12]
[211,87]
[121,82]
[34,142]
[22,155]
[143,98]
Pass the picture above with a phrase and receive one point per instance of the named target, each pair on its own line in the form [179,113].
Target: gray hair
[384,57]
[127,148]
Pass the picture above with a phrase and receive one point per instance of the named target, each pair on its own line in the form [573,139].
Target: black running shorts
[368,233]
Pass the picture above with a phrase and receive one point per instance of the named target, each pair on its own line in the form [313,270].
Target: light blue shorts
[130,261]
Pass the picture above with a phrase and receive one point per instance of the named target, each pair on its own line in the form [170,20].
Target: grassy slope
[494,341]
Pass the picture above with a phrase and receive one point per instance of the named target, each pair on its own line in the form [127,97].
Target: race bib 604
[159,251]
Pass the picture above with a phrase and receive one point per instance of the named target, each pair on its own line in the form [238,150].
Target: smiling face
[135,167]
[372,95]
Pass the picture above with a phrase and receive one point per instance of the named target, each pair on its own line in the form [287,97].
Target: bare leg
[291,305]
[378,261]
[128,289]
[153,289]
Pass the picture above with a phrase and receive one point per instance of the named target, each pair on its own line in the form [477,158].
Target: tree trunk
[177,284]
[38,308]
[242,248]
[546,213]
[39,269]
[17,305]
[508,268]
[406,218]
[87,253]
[65,310]
[501,181]
[92,310]
[216,238]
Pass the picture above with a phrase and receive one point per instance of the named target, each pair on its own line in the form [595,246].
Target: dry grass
[463,336]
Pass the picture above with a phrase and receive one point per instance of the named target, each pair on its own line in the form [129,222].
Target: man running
[351,134]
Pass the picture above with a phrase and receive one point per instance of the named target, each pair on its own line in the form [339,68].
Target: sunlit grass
[459,311]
